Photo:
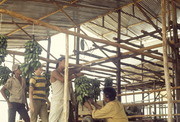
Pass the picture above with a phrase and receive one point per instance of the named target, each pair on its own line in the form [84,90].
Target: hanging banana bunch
[95,88]
[3,47]
[82,88]
[31,58]
[4,74]
[86,88]
[108,82]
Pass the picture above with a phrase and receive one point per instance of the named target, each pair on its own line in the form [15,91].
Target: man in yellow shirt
[113,111]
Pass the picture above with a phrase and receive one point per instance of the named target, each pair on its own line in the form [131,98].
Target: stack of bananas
[3,47]
[108,82]
[86,87]
[31,59]
[4,74]
[82,88]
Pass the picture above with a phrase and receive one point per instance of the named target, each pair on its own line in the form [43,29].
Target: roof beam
[152,35]
[41,23]
[108,28]
[41,18]
[64,3]
[147,17]
[134,16]
[126,53]
[3,1]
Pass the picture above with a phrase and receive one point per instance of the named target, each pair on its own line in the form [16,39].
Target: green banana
[31,58]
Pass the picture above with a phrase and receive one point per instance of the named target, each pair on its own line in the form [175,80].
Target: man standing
[38,96]
[16,102]
[57,83]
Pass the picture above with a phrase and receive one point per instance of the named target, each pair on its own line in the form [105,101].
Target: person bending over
[113,111]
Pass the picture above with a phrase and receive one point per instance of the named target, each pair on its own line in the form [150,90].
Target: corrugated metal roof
[79,11]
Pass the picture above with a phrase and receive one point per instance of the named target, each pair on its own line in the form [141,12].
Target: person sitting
[113,111]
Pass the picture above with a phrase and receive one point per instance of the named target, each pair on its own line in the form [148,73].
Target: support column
[155,112]
[48,53]
[77,62]
[66,88]
[165,61]
[13,58]
[119,54]
[142,78]
[176,57]
[77,46]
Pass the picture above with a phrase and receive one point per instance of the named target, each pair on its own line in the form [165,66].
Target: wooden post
[176,56]
[165,61]
[77,62]
[149,94]
[142,71]
[77,46]
[13,58]
[66,88]
[155,112]
[48,52]
[118,65]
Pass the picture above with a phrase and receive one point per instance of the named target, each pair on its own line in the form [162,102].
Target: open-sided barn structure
[138,41]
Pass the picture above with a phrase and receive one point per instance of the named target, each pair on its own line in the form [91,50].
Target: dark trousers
[20,108]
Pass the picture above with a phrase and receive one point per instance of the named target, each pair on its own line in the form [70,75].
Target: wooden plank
[151,115]
[149,91]
[126,53]
[149,103]
[152,35]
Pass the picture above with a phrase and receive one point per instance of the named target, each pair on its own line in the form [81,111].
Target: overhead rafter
[41,23]
[65,3]
[3,1]
[41,18]
[108,28]
[126,53]
[134,16]
[148,18]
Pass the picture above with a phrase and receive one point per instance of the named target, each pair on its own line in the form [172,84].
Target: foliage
[3,47]
[4,74]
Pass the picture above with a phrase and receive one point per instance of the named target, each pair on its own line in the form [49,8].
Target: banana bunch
[82,88]
[31,58]
[4,74]
[3,47]
[86,88]
[28,68]
[95,88]
[32,51]
[108,82]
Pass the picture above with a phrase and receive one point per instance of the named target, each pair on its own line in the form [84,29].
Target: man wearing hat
[16,102]
[57,84]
